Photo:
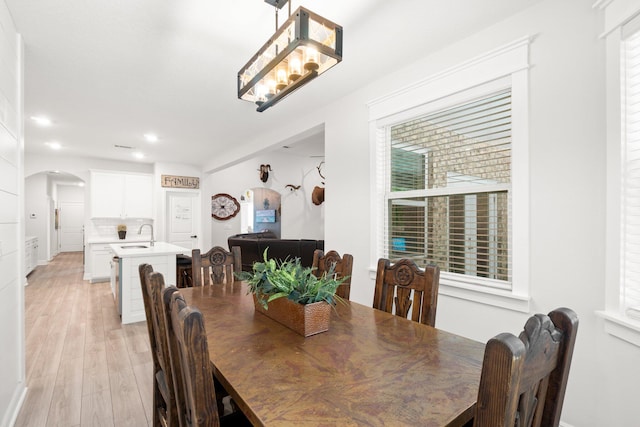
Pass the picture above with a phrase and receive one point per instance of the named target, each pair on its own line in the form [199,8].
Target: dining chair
[164,403]
[221,393]
[193,369]
[215,266]
[322,263]
[183,271]
[524,379]
[403,285]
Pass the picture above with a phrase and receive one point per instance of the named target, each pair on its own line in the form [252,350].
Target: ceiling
[107,72]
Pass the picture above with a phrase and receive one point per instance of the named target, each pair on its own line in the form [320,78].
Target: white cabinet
[121,195]
[130,299]
[30,254]
[100,262]
[162,257]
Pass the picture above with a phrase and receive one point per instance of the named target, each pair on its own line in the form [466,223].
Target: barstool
[183,271]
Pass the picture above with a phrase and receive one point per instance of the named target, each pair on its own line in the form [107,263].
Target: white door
[183,219]
[71,222]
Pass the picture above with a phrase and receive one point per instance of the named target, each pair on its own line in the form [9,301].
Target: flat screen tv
[265,215]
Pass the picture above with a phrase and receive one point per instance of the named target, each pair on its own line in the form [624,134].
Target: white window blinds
[448,183]
[630,259]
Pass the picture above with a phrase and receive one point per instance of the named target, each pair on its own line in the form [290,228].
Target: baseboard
[565,424]
[13,410]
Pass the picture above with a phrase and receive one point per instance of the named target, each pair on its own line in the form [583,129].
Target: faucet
[140,232]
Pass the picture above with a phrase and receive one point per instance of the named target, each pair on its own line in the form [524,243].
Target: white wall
[78,166]
[567,195]
[161,194]
[12,369]
[69,194]
[301,219]
[37,216]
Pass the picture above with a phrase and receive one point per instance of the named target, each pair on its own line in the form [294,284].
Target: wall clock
[224,206]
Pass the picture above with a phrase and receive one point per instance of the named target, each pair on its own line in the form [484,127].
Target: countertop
[160,248]
[136,239]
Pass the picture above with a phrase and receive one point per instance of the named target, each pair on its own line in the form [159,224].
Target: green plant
[122,227]
[271,279]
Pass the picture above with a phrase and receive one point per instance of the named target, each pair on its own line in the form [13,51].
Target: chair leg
[158,408]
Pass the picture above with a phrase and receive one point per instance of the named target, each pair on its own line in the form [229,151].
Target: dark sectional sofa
[252,246]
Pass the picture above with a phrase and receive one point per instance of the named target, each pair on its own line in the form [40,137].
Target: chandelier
[304,47]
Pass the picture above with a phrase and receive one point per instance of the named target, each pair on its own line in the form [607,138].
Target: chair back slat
[216,266]
[193,357]
[343,266]
[405,290]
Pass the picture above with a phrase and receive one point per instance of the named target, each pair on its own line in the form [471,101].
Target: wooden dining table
[370,368]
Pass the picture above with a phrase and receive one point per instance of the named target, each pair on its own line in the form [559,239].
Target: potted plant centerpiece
[291,294]
[122,231]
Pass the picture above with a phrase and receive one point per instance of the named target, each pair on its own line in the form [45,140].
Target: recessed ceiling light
[81,184]
[41,120]
[150,137]
[54,145]
[138,155]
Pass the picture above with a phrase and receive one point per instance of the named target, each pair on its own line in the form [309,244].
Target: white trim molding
[505,66]
[484,68]
[621,327]
[616,13]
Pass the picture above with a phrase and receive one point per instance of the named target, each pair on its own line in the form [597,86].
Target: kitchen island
[125,279]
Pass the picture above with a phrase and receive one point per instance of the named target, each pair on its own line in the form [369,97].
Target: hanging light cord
[276,8]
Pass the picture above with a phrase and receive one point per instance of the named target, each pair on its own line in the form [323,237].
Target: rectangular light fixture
[304,47]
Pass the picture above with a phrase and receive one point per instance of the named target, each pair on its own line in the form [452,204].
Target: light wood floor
[83,368]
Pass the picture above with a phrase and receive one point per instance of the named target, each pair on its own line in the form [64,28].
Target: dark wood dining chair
[216,266]
[403,285]
[194,373]
[524,379]
[343,265]
[164,402]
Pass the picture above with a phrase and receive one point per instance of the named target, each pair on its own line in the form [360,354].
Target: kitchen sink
[134,247]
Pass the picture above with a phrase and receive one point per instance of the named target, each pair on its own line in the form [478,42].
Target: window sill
[621,326]
[487,296]
[480,294]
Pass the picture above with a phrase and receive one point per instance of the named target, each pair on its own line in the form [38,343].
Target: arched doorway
[54,211]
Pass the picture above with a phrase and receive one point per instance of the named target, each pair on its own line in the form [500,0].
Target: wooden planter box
[309,319]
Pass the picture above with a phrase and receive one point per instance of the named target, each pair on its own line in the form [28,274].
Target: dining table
[371,368]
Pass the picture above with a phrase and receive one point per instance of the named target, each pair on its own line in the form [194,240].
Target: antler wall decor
[264,172]
[317,195]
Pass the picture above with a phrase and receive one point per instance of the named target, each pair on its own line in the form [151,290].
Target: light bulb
[282,79]
[271,88]
[261,93]
[295,68]
[311,59]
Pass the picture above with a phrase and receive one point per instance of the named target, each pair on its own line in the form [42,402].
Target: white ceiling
[107,72]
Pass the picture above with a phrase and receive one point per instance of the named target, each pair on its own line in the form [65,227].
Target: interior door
[183,219]
[71,223]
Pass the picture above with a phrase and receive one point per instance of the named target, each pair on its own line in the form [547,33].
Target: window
[448,193]
[622,299]
[630,200]
[451,181]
